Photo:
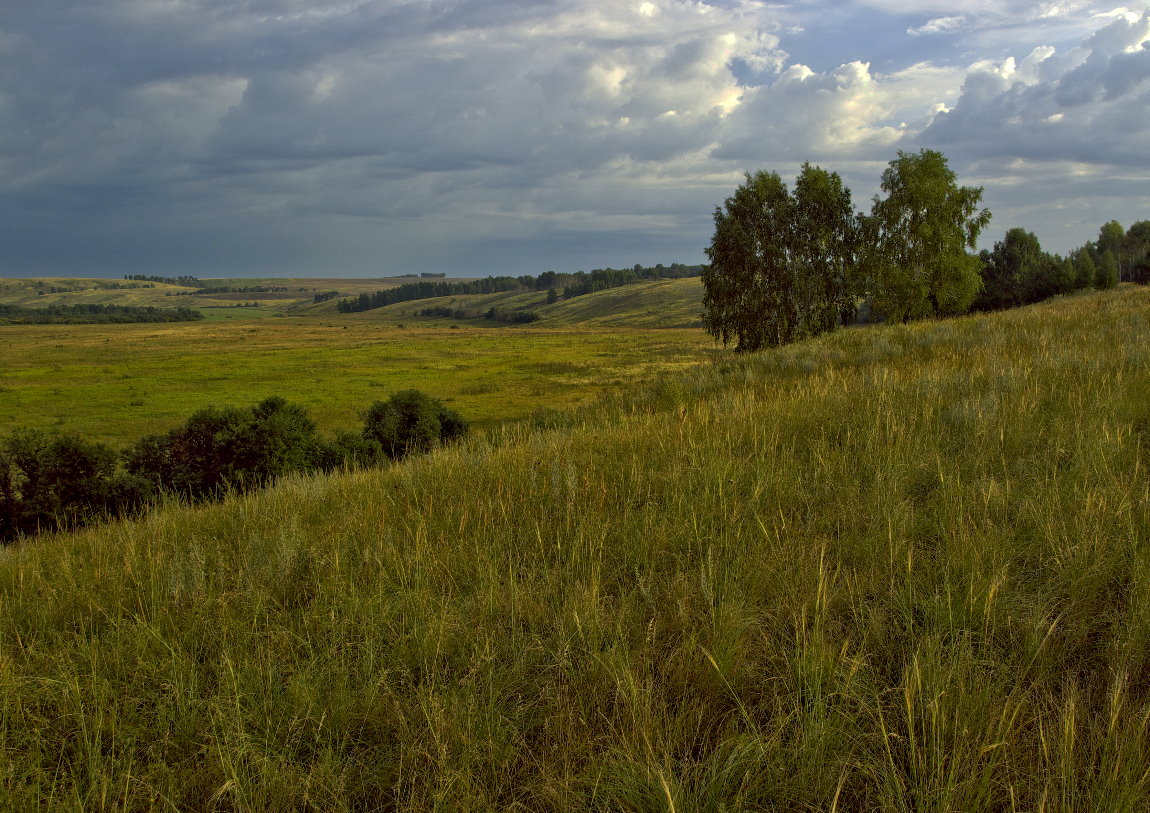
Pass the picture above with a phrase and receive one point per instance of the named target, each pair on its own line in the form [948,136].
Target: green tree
[1084,271]
[1138,240]
[1107,273]
[1112,238]
[749,289]
[1007,269]
[1138,246]
[782,265]
[50,481]
[825,244]
[918,238]
[411,421]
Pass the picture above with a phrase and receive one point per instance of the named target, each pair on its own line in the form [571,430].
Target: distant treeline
[186,281]
[204,288]
[240,289]
[1019,272]
[52,481]
[494,314]
[571,285]
[94,314]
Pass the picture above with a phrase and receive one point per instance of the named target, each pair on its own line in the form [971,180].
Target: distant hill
[673,303]
[656,303]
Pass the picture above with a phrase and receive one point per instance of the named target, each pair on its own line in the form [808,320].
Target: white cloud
[938,25]
[376,126]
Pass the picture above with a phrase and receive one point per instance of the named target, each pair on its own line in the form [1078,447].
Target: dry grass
[890,569]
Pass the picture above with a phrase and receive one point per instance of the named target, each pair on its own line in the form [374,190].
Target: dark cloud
[379,136]
[1094,113]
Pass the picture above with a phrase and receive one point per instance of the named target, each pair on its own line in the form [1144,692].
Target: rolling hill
[896,568]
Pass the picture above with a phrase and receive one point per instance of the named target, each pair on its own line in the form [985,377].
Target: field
[34,293]
[115,383]
[894,568]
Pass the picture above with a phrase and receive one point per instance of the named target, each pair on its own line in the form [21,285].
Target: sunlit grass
[115,383]
[894,568]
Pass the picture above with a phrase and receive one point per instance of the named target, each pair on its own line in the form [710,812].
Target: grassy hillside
[42,292]
[899,568]
[675,303]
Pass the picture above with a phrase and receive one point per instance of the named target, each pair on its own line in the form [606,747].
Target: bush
[232,447]
[411,421]
[52,481]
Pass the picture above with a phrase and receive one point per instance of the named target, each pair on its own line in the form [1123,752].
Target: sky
[363,138]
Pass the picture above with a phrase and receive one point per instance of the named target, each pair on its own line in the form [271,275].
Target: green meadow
[895,568]
[115,383]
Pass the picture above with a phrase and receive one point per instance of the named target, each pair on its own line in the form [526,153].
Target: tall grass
[895,568]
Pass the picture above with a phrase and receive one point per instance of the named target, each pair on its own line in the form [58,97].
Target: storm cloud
[391,136]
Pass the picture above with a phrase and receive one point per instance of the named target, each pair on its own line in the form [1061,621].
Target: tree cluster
[1018,272]
[61,481]
[1129,250]
[207,290]
[91,314]
[783,265]
[412,291]
[790,264]
[186,281]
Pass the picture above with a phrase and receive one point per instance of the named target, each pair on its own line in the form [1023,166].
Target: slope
[674,303]
[892,568]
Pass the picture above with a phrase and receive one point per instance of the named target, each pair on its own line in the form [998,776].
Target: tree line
[51,481]
[90,314]
[575,284]
[1018,272]
[510,317]
[185,280]
[788,264]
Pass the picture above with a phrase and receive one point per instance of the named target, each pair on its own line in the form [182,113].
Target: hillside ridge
[890,564]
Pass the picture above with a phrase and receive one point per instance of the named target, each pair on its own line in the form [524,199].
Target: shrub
[229,448]
[50,481]
[411,421]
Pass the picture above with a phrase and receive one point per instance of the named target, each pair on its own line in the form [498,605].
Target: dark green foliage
[1004,270]
[826,248]
[50,481]
[1048,277]
[1018,272]
[1107,272]
[348,449]
[782,265]
[231,447]
[918,238]
[1084,271]
[446,313]
[512,317]
[186,281]
[600,279]
[411,421]
[241,289]
[749,291]
[95,314]
[1112,239]
[53,481]
[1138,246]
